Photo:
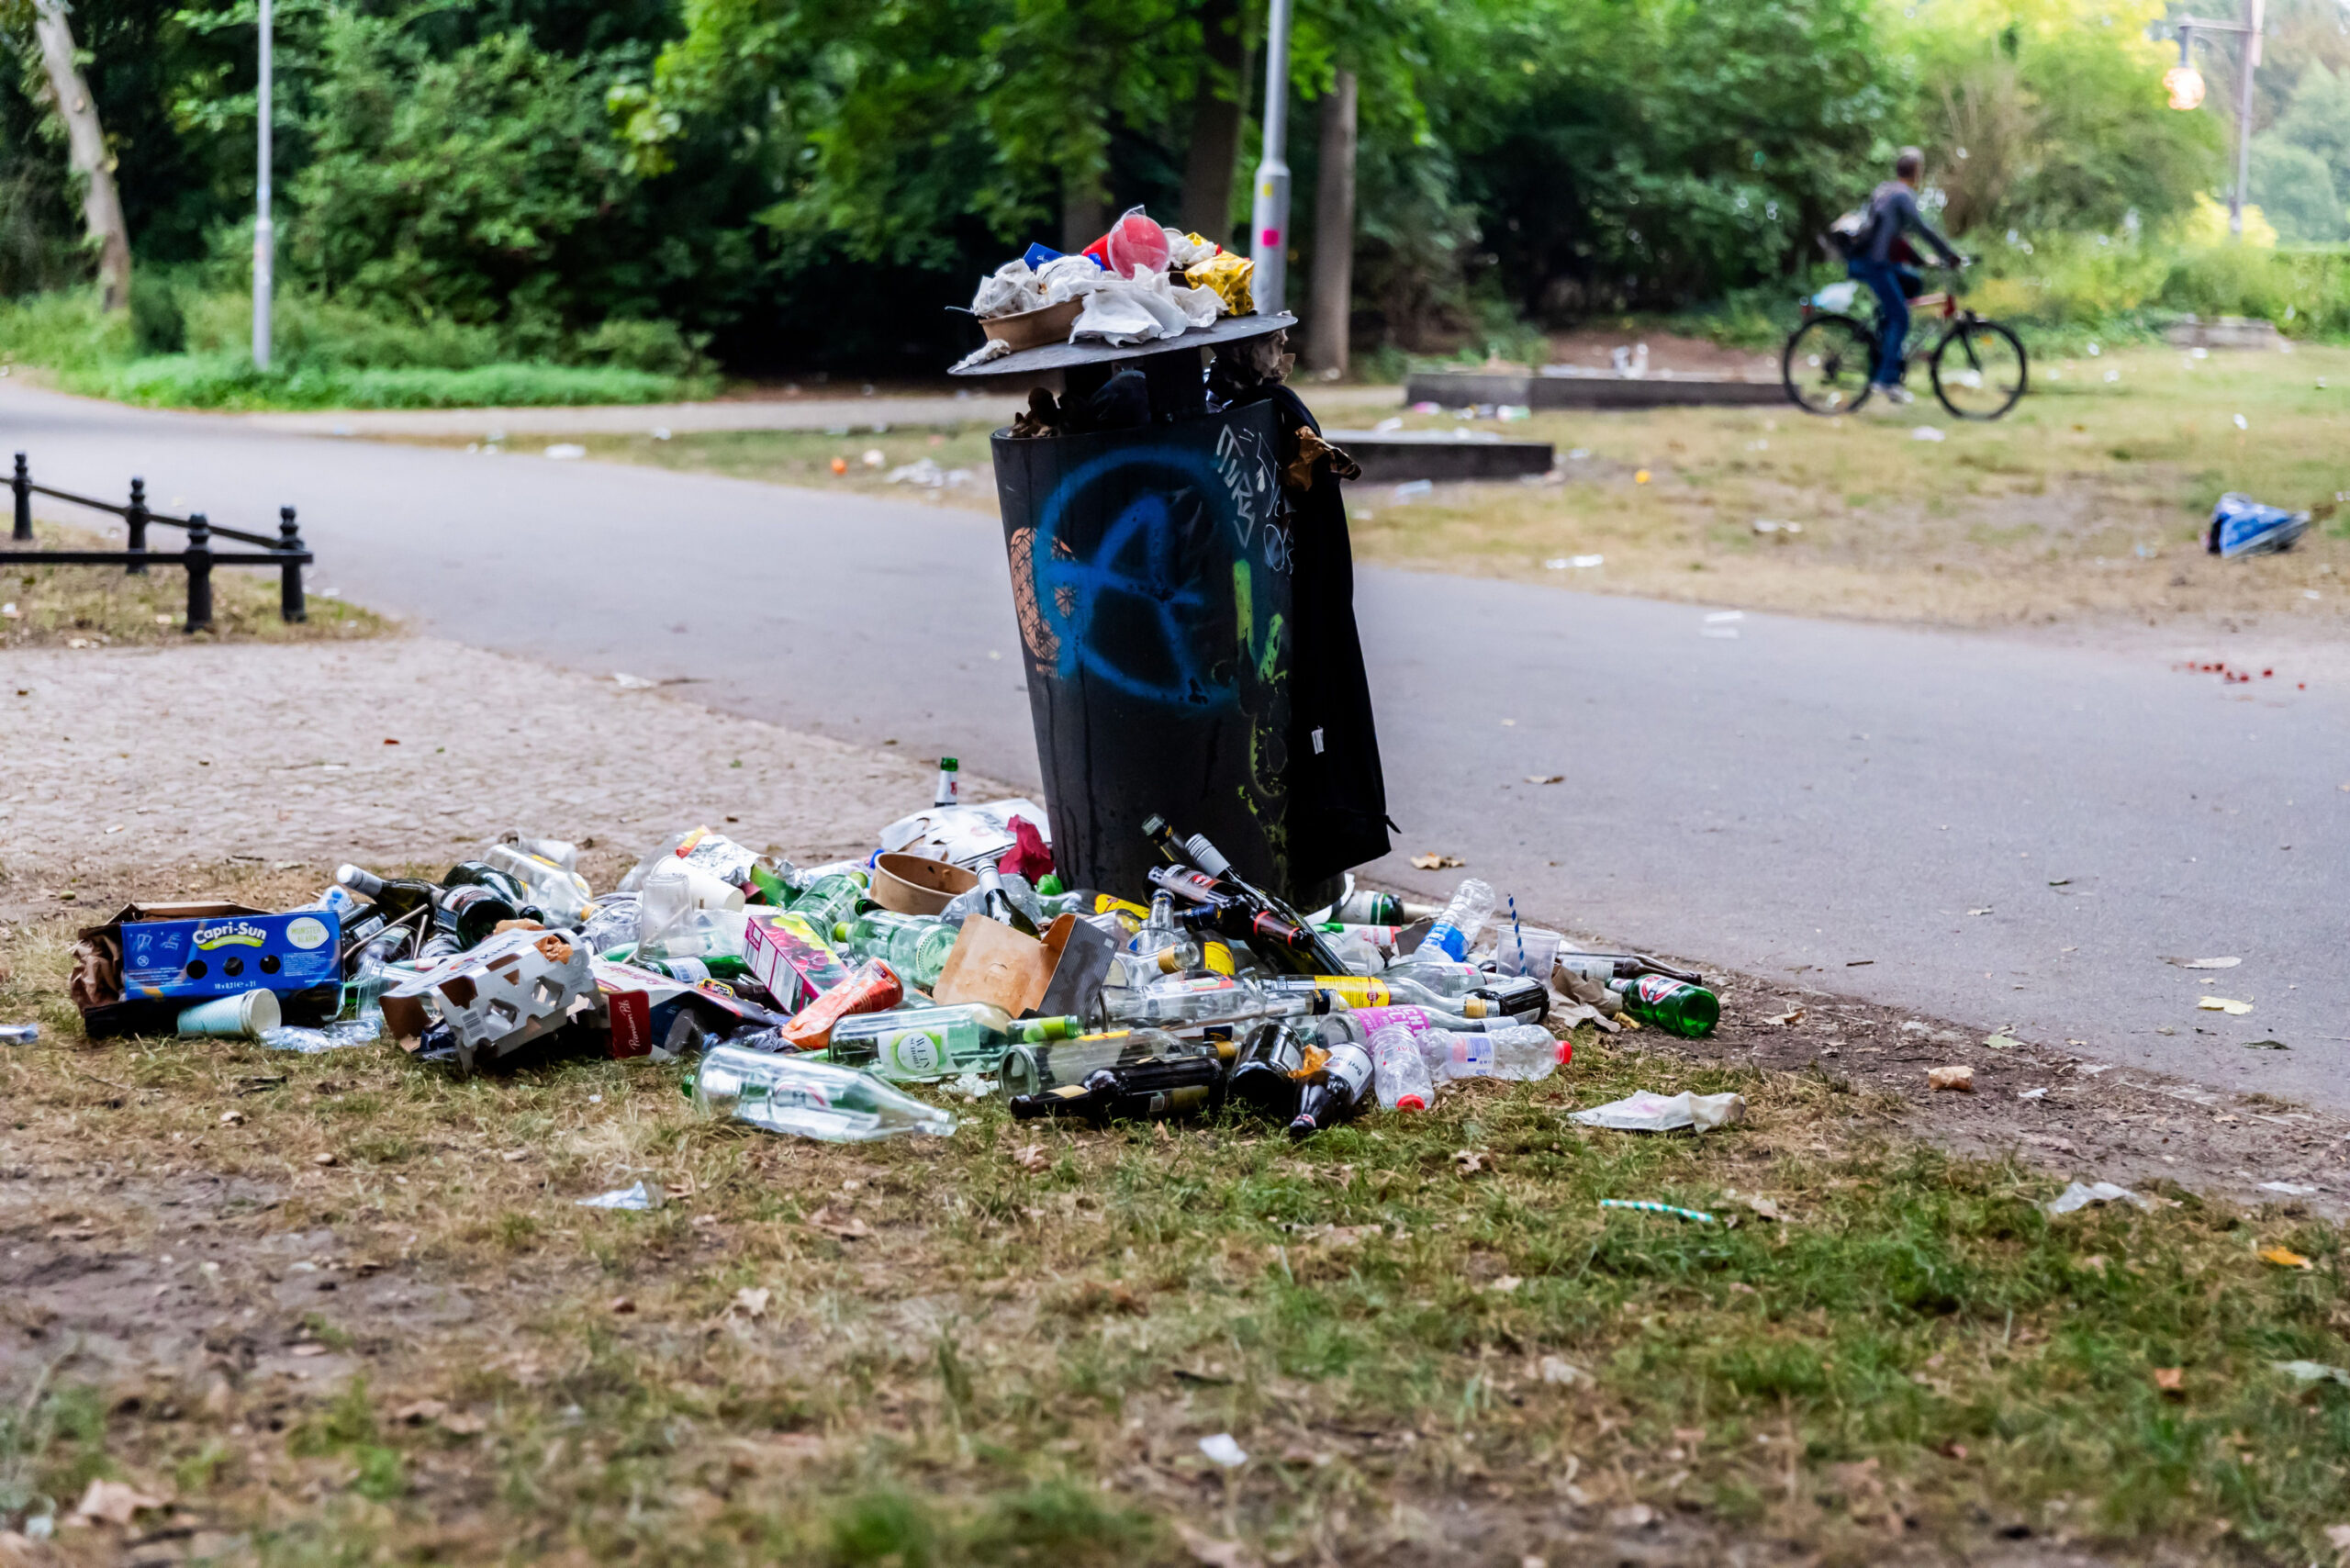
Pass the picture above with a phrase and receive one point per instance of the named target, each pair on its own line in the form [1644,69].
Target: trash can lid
[1062,356]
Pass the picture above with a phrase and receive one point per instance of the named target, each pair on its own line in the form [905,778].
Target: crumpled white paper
[1648,1113]
[1143,307]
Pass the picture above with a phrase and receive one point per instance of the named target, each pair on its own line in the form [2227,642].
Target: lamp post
[264,235]
[1269,216]
[2185,85]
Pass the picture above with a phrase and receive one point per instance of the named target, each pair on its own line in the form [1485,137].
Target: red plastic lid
[1566,1052]
[1410,1102]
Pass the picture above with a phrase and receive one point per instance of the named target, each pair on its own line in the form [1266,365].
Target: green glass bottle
[914,945]
[828,901]
[912,1044]
[1670,1004]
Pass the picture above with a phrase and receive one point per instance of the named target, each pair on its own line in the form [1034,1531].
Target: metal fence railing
[286,552]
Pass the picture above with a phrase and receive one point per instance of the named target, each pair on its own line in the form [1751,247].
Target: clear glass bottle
[799,1095]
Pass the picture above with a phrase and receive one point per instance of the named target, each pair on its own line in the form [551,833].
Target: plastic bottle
[1670,1004]
[1194,1002]
[1456,929]
[1033,1067]
[950,790]
[1400,1076]
[807,1097]
[1521,1053]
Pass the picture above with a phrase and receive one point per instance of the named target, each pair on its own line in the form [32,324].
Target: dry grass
[55,606]
[945,1352]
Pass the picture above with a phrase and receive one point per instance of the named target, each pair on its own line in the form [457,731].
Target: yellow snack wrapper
[1228,275]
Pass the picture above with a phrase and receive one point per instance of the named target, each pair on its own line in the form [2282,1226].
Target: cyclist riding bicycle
[1877,256]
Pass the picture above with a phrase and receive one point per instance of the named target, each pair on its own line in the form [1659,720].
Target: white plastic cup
[1538,952]
[249,1016]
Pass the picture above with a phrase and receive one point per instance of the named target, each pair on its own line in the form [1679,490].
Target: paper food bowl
[910,885]
[1035,329]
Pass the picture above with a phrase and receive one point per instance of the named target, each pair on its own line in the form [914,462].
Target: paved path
[1797,798]
[779,413]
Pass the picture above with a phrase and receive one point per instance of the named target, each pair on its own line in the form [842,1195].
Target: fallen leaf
[1030,1157]
[751,1301]
[1958,1079]
[233,1119]
[2226,1005]
[2171,1379]
[1767,1209]
[1546,778]
[2204,963]
[2003,1042]
[464,1424]
[322,1160]
[621,1304]
[1471,1160]
[418,1414]
[2285,1257]
[113,1502]
[1433,862]
[1788,1019]
[309,1348]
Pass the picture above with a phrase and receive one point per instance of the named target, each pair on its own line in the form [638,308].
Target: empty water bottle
[1457,927]
[1401,1077]
[1523,1052]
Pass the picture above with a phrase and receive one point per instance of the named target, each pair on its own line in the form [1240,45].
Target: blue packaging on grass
[230,951]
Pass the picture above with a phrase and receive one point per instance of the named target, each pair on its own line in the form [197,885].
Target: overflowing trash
[1139,283]
[805,998]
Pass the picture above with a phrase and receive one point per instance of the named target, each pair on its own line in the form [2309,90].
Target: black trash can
[1151,571]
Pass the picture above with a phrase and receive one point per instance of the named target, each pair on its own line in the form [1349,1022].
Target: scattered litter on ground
[2290,1189]
[1928,432]
[2285,1257]
[1643,1205]
[2204,963]
[2241,526]
[567,452]
[2081,1195]
[1221,1450]
[1958,1079]
[1650,1112]
[642,1197]
[2313,1371]
[2226,1005]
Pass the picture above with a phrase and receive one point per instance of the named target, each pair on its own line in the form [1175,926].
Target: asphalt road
[1997,831]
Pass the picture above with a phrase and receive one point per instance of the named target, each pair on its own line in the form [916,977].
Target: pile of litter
[804,999]
[1139,283]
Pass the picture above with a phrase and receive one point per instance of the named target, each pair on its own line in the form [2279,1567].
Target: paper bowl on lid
[910,884]
[1035,329]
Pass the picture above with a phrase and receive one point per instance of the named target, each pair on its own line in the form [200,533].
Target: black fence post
[199,560]
[22,484]
[135,514]
[289,538]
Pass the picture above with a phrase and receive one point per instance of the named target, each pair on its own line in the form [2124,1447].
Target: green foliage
[2301,167]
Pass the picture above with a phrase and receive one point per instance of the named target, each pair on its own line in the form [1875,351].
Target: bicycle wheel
[1979,370]
[1826,364]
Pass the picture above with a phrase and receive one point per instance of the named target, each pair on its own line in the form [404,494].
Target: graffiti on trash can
[1137,600]
[1246,467]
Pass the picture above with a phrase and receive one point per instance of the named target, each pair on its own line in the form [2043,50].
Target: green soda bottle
[691,971]
[828,901]
[1671,1004]
[914,945]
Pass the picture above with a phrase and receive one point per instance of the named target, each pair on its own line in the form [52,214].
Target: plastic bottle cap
[1566,1052]
[1410,1102]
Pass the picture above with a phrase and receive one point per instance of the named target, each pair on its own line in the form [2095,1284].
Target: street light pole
[1268,218]
[2243,122]
[264,235]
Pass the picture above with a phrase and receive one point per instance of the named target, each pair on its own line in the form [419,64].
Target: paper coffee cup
[249,1016]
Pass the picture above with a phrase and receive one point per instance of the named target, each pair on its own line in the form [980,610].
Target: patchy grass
[2086,502]
[101,606]
[1430,1340]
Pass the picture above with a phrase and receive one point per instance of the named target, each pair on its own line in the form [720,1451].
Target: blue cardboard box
[226,951]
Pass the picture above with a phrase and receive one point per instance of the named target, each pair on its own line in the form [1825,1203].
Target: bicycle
[1830,364]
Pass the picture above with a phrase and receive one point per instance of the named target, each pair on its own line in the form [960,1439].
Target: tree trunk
[1084,217]
[1218,106]
[1331,304]
[86,144]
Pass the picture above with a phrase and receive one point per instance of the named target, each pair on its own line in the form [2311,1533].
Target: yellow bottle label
[1216,957]
[1358,991]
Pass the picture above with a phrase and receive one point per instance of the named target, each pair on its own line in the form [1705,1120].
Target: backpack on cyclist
[1849,236]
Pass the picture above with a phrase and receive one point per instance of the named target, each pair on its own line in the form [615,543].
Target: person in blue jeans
[1876,262]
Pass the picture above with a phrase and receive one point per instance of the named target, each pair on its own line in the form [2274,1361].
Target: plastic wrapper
[1227,278]
[1186,251]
